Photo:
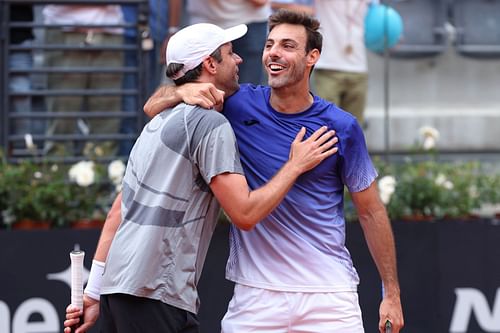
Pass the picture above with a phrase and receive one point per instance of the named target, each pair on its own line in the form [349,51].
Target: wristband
[173,30]
[93,288]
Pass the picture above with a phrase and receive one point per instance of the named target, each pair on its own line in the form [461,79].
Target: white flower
[387,186]
[98,151]
[38,175]
[116,170]
[473,192]
[54,168]
[442,181]
[28,140]
[448,185]
[429,136]
[82,173]
[429,143]
[8,217]
[428,131]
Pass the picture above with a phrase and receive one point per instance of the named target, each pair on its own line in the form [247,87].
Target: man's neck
[286,101]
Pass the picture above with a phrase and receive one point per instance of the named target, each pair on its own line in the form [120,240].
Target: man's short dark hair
[314,37]
[192,75]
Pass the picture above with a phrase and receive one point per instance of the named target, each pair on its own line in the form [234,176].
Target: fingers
[300,135]
[73,312]
[328,150]
[203,101]
[217,95]
[326,142]
[328,137]
[318,133]
[69,323]
[208,97]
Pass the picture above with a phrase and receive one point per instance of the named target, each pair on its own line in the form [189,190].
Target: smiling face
[285,58]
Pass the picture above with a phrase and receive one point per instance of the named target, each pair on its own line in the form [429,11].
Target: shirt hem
[293,288]
[169,301]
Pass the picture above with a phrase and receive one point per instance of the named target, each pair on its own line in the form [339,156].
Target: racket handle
[76,257]
[388,327]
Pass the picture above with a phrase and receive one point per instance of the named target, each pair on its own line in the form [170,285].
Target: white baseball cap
[193,44]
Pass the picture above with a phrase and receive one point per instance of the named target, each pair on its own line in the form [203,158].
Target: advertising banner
[449,275]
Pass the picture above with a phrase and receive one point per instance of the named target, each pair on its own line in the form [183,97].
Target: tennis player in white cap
[183,165]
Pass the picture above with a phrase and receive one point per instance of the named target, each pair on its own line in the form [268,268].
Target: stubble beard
[295,75]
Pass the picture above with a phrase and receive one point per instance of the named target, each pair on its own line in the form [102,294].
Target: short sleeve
[357,170]
[216,151]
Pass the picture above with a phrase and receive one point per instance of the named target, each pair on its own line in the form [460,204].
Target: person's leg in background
[64,81]
[151,80]
[354,99]
[108,103]
[19,83]
[130,101]
[346,90]
[328,85]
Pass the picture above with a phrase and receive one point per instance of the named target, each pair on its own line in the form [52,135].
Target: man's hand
[390,309]
[205,95]
[168,96]
[90,315]
[309,153]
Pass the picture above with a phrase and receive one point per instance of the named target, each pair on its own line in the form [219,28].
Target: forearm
[380,240]
[164,97]
[262,201]
[246,208]
[109,230]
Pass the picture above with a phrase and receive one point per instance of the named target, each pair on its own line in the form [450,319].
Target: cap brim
[235,32]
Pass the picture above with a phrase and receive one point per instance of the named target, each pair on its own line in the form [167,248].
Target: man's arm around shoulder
[205,95]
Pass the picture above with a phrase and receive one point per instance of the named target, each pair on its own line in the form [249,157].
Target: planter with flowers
[422,188]
[54,195]
[95,193]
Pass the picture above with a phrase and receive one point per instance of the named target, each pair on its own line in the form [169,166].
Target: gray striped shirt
[168,211]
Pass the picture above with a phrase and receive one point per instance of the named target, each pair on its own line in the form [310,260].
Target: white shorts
[261,310]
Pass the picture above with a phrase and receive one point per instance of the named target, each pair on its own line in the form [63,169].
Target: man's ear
[209,65]
[312,57]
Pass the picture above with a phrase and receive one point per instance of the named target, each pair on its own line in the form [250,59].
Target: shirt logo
[251,122]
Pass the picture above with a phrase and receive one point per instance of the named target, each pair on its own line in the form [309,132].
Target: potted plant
[33,195]
[424,188]
[93,193]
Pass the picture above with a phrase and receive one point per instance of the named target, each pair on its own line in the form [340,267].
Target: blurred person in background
[79,32]
[162,20]
[226,13]
[306,6]
[20,60]
[341,74]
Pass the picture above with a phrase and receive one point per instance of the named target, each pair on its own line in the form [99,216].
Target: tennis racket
[388,327]
[77,257]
